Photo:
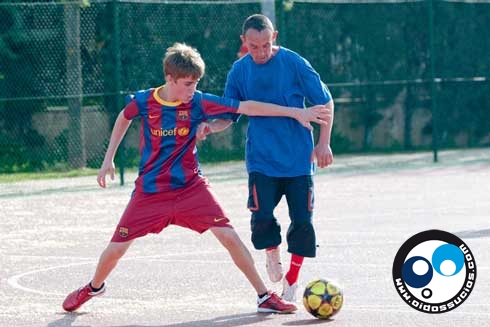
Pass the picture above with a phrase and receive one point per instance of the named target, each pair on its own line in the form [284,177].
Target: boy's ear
[169,79]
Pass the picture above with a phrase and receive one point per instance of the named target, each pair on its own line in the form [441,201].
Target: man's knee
[265,233]
[302,239]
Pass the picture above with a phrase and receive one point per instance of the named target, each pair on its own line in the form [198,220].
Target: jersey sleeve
[314,90]
[215,107]
[136,104]
[231,88]
[131,110]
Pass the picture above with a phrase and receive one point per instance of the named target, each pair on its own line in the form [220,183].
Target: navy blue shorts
[265,192]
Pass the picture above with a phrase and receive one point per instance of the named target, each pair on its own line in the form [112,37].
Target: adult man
[280,153]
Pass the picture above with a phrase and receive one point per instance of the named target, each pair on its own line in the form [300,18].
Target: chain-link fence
[405,75]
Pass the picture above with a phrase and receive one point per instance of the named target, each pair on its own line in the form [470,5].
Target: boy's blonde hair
[182,61]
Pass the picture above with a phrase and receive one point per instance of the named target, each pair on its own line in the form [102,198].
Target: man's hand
[323,155]
[319,114]
[106,168]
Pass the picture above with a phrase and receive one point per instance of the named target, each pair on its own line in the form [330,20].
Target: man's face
[183,88]
[259,44]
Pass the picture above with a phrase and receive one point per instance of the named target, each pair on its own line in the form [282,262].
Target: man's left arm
[322,151]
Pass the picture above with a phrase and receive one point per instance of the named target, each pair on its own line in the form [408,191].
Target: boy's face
[182,89]
[259,44]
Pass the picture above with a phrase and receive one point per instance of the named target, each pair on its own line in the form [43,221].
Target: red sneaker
[75,299]
[273,303]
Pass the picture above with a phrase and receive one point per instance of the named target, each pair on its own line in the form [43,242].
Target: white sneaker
[273,264]
[289,291]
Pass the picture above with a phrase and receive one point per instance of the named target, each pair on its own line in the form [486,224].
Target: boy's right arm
[120,127]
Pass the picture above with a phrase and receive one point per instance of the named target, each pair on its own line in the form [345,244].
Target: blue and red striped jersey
[168,136]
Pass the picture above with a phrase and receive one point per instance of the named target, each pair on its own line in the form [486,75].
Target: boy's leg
[240,255]
[198,209]
[107,262]
[267,300]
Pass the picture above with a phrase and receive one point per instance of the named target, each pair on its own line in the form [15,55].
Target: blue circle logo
[434,271]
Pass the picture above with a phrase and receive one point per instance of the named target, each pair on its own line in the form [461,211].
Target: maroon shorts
[194,207]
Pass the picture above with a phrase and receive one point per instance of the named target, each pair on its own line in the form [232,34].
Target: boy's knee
[227,236]
[116,250]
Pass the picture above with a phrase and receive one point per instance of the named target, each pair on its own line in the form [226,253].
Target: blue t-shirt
[277,146]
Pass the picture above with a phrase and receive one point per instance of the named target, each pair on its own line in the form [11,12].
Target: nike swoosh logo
[153,116]
[217,220]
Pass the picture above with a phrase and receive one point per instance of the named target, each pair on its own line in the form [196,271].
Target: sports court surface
[366,207]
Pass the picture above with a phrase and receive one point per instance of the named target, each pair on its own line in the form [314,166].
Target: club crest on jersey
[183,131]
[123,232]
[182,114]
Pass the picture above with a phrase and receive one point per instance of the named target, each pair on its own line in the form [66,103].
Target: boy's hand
[107,167]
[203,130]
[319,114]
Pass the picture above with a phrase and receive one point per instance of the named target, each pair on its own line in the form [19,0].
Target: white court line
[14,280]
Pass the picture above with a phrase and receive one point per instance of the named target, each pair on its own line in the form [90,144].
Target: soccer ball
[323,298]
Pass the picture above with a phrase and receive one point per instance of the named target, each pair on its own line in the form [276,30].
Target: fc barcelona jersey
[168,136]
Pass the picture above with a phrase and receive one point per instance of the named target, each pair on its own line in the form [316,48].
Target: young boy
[169,174]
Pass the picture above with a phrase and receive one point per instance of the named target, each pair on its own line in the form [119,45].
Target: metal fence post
[117,83]
[433,91]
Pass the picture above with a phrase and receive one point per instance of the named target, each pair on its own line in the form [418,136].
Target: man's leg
[264,195]
[301,234]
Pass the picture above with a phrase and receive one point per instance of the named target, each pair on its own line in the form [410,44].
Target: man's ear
[274,35]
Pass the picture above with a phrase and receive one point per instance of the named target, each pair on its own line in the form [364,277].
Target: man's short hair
[257,22]
[182,61]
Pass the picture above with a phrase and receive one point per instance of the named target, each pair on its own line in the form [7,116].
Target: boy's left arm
[322,151]
[212,126]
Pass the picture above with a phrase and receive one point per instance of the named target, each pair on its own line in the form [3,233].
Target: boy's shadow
[67,320]
[243,319]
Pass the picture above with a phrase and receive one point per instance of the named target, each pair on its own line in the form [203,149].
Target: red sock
[293,273]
